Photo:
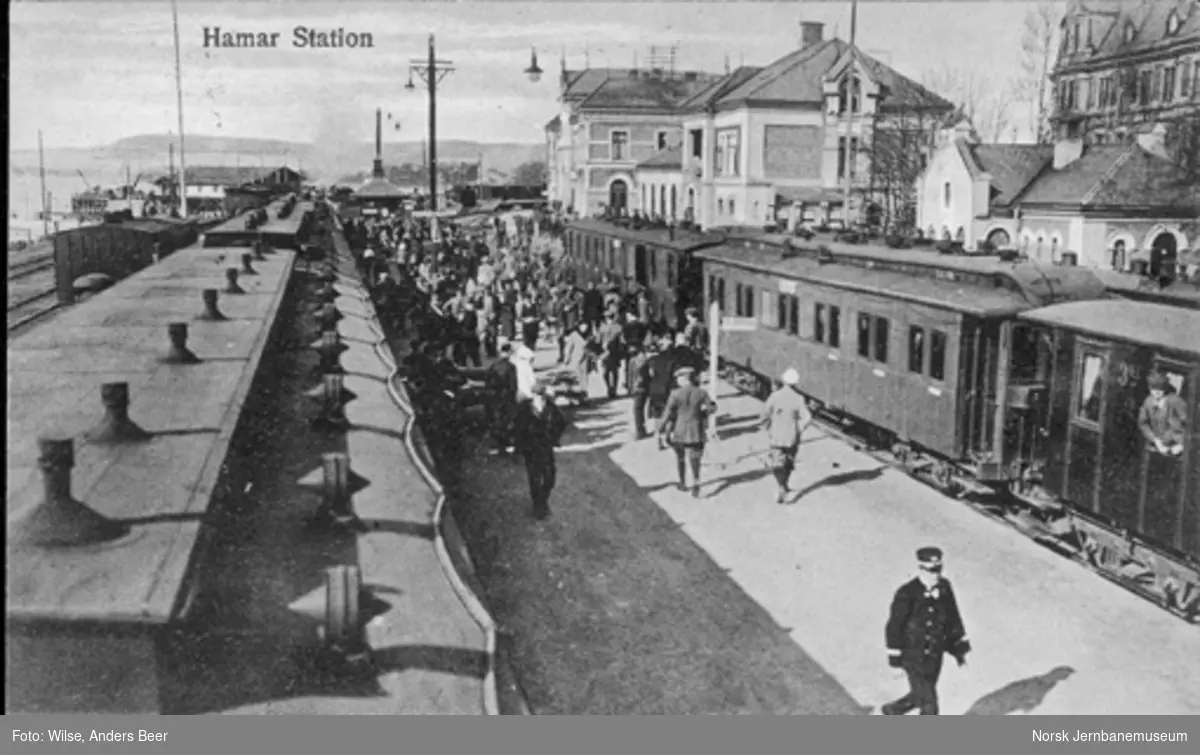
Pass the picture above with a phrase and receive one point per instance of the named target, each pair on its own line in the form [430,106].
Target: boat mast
[179,98]
[42,171]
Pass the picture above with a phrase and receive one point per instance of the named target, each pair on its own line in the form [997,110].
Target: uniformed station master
[302,37]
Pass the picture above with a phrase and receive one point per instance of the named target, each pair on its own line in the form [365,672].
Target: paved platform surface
[255,650]
[636,598]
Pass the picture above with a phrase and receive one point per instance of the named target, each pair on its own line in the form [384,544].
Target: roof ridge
[802,58]
[1123,158]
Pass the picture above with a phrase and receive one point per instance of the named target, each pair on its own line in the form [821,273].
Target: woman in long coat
[578,355]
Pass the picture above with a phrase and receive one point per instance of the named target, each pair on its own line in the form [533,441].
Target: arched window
[691,198]
[850,95]
[945,233]
[1118,256]
[930,232]
[947,195]
[673,209]
[653,201]
[662,199]
[1055,243]
[720,206]
[1041,241]
[960,234]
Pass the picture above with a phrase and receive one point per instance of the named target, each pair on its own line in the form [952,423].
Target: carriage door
[1085,423]
[1169,483]
[640,267]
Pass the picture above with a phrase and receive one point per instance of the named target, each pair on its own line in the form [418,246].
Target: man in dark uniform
[593,306]
[923,626]
[538,427]
[502,397]
[637,379]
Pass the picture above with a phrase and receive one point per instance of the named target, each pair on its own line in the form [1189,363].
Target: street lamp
[431,71]
[533,71]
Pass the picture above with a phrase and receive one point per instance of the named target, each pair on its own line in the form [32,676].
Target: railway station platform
[732,603]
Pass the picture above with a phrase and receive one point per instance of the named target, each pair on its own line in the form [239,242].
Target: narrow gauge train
[942,360]
[661,260]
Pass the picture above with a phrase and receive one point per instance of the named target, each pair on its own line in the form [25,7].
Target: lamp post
[431,71]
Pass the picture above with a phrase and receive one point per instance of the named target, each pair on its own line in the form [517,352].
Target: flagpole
[183,212]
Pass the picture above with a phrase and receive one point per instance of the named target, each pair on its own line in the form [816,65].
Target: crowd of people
[476,305]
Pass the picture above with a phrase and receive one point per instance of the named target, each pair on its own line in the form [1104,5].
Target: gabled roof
[799,77]
[1012,167]
[641,90]
[580,85]
[1111,18]
[1115,176]
[669,158]
[720,87]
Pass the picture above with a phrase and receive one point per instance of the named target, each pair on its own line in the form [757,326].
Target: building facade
[609,121]
[658,186]
[1105,206]
[1125,65]
[968,190]
[761,139]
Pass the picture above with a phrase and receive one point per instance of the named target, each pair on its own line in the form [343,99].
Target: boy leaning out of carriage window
[1163,416]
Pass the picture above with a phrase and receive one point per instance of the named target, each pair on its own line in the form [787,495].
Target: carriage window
[721,292]
[882,336]
[1091,388]
[819,323]
[835,326]
[793,315]
[781,314]
[749,291]
[937,355]
[670,269]
[916,349]
[738,300]
[864,336]
[767,311]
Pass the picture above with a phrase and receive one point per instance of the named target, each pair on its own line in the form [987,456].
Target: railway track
[25,311]
[986,501]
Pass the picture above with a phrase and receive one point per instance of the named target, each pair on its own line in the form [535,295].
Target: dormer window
[850,95]
[1173,23]
[1130,32]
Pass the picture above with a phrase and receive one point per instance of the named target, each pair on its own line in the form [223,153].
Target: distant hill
[149,154]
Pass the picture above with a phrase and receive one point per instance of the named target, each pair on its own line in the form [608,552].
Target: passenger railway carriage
[912,345]
[1077,386]
[658,259]
[970,369]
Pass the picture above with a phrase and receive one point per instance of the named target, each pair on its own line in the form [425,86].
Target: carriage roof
[1158,326]
[992,290]
[684,240]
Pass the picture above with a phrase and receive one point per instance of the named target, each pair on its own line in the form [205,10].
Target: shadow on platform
[1022,696]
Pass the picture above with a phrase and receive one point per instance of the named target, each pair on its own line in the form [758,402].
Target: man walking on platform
[785,417]
[924,625]
[613,353]
[684,425]
[538,428]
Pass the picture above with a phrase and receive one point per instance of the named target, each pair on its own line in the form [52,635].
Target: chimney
[1155,142]
[811,33]
[1067,151]
[377,169]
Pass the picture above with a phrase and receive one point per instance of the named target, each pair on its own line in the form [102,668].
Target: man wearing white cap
[785,417]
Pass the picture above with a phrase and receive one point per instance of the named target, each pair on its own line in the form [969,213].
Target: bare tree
[980,101]
[895,154]
[1038,32]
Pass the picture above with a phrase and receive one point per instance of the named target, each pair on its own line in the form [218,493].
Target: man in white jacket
[522,359]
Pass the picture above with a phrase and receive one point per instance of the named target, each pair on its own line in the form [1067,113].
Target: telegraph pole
[431,72]
[183,212]
[851,88]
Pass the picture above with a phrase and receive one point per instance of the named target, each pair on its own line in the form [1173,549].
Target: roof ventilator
[59,520]
[179,353]
[116,427]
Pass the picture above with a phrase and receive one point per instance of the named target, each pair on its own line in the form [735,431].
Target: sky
[87,74]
